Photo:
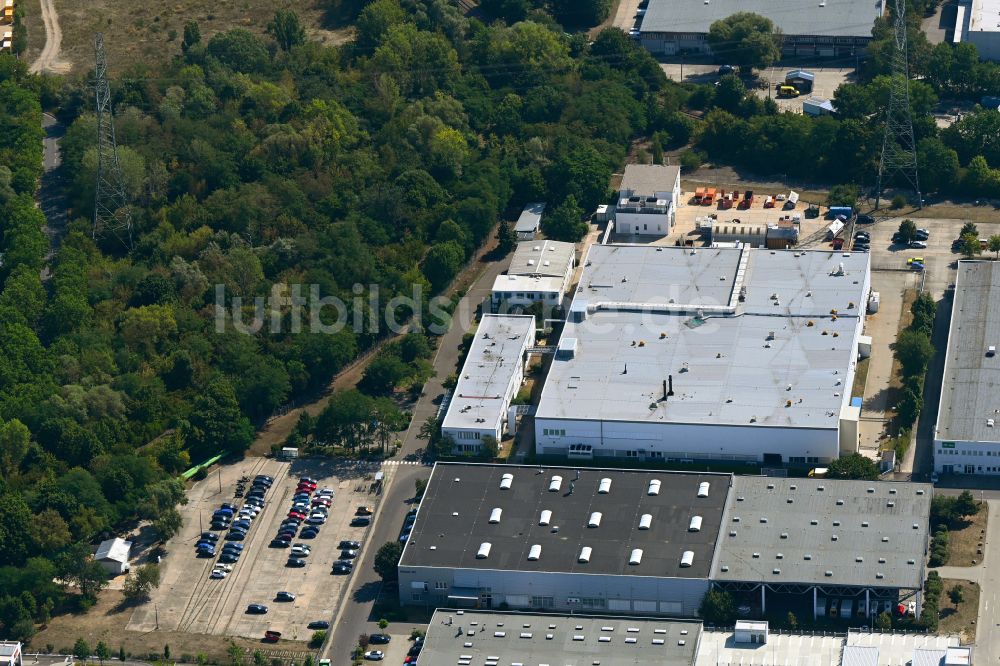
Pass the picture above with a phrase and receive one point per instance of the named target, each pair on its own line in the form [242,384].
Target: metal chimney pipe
[670,380]
[664,389]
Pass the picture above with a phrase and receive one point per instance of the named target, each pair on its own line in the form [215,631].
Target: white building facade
[490,378]
[648,199]
[707,355]
[967,432]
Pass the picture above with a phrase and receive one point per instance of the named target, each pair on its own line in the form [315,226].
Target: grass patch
[966,542]
[860,377]
[959,618]
[895,387]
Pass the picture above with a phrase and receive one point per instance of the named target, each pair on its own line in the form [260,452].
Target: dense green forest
[252,162]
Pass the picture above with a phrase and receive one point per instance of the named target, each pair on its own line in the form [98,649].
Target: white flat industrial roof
[778,357]
[525,283]
[970,390]
[984,16]
[542,257]
[559,640]
[488,369]
[530,217]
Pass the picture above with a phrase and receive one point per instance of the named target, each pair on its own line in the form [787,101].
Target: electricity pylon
[112,214]
[899,150]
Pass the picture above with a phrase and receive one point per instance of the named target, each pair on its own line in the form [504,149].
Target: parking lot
[826,82]
[187,600]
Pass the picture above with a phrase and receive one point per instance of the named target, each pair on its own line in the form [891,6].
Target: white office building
[540,272]
[724,354]
[967,435]
[647,200]
[489,381]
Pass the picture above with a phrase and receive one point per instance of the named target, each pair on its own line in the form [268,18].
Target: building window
[796,459]
[543,602]
[440,585]
[554,432]
[631,454]
[416,596]
[592,602]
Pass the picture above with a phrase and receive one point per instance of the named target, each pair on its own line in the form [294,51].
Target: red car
[320,501]
[272,636]
[297,514]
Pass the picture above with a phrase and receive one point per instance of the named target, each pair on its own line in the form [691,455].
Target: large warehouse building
[545,539]
[714,354]
[967,436]
[463,637]
[829,28]
[653,542]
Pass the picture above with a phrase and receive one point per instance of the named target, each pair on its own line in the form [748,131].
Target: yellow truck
[787,91]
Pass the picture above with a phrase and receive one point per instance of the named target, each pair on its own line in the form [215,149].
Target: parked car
[224,567]
[348,554]
[280,543]
[229,558]
[326,492]
[374,655]
[914,259]
[209,536]
[284,596]
[379,639]
[295,562]
[236,536]
[364,511]
[918,245]
[342,567]
[316,519]
[865,219]
[299,551]
[726,69]
[361,521]
[352,545]
[217,574]
[318,624]
[204,552]
[256,609]
[310,532]
[272,636]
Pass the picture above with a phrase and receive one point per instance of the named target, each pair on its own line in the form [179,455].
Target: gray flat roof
[442,539]
[488,369]
[837,18]
[643,326]
[767,524]
[530,217]
[542,257]
[645,179]
[560,640]
[970,391]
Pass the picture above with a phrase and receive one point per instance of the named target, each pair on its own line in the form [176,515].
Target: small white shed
[751,631]
[113,555]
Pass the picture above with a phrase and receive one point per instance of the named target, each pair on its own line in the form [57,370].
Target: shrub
[317,639]
[898,201]
[957,594]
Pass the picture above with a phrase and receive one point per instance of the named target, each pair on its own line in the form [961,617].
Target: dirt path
[49,60]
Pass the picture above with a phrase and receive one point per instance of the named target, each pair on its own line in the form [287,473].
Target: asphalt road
[355,616]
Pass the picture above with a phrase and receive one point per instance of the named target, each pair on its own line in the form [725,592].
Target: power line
[899,150]
[112,213]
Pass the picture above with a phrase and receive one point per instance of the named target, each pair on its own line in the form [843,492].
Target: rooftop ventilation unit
[585,555]
[645,521]
[703,489]
[695,524]
[595,519]
[545,518]
[555,484]
[636,557]
[495,516]
[654,487]
[535,553]
[505,481]
[484,550]
[687,558]
[605,486]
